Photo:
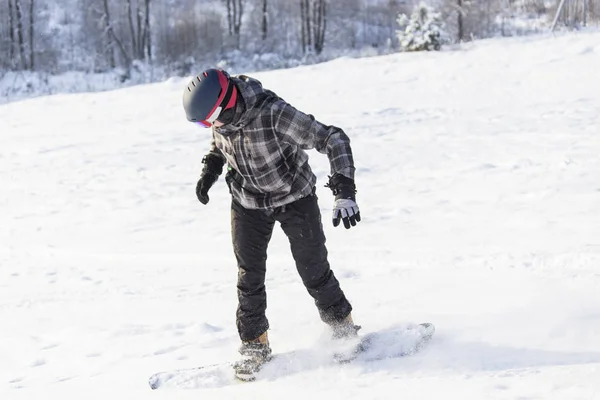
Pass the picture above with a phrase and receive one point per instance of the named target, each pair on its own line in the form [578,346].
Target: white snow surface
[478,175]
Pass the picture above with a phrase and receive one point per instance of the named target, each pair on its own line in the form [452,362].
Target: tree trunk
[461,32]
[20,40]
[147,33]
[11,30]
[110,51]
[313,16]
[308,28]
[319,21]
[235,19]
[31,34]
[321,31]
[303,24]
[139,50]
[229,18]
[139,30]
[315,21]
[238,12]
[134,44]
[558,12]
[264,20]
[112,39]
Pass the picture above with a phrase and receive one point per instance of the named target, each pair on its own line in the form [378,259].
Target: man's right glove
[213,166]
[344,208]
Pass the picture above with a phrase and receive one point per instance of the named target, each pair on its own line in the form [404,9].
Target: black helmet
[208,95]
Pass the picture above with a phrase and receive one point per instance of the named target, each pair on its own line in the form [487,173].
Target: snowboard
[398,341]
[421,334]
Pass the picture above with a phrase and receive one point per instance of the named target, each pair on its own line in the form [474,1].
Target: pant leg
[251,232]
[301,222]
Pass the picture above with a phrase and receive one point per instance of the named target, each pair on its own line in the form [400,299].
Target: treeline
[99,35]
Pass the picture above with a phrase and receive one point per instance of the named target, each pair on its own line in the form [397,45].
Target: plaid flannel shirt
[265,148]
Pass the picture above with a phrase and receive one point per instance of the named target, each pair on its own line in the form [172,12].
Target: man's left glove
[344,208]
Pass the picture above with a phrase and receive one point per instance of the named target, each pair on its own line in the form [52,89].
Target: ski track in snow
[478,174]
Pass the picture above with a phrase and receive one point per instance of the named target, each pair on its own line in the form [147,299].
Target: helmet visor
[204,124]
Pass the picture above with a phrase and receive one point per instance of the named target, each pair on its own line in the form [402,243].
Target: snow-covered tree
[423,31]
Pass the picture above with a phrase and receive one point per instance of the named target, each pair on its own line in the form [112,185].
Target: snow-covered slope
[478,174]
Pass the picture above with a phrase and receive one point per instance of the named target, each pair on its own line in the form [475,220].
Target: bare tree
[320,24]
[313,24]
[303,31]
[139,51]
[264,20]
[139,29]
[308,25]
[147,38]
[229,16]
[109,49]
[113,39]
[459,20]
[20,40]
[132,34]
[102,34]
[31,34]
[305,23]
[235,12]
[238,12]
[11,30]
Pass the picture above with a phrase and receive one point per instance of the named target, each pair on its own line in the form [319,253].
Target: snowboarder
[263,141]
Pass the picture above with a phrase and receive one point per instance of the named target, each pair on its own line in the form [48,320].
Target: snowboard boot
[348,345]
[255,353]
[344,329]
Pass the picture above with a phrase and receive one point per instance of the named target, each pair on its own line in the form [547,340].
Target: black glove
[344,207]
[205,183]
[213,166]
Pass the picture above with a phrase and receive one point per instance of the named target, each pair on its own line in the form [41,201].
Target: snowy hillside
[478,175]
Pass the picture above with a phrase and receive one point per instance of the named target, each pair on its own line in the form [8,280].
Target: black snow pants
[251,233]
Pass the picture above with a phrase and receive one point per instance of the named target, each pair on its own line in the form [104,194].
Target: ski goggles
[210,120]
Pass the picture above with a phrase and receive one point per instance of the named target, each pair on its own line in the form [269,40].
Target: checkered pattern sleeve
[304,131]
[214,150]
